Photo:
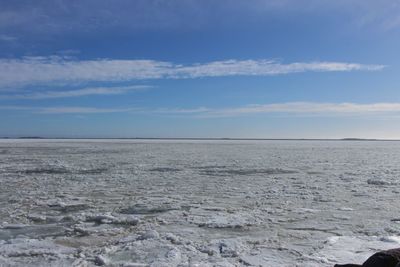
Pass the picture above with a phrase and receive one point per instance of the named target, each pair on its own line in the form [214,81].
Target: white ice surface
[196,203]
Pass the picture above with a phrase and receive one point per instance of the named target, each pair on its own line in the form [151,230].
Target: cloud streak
[290,108]
[67,110]
[53,70]
[77,93]
[80,110]
[298,108]
[7,38]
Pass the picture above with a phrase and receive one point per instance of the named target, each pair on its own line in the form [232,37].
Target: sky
[200,68]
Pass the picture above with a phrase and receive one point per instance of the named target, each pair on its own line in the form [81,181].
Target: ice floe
[189,203]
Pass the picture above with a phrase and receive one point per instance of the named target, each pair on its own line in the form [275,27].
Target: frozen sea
[197,203]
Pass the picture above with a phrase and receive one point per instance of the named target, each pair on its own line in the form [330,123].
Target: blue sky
[154,68]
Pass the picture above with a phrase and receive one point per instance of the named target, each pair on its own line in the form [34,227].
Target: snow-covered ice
[196,203]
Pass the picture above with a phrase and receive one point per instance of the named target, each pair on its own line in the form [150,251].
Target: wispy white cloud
[265,67]
[77,93]
[67,110]
[290,108]
[49,70]
[16,108]
[7,38]
[80,110]
[182,110]
[301,108]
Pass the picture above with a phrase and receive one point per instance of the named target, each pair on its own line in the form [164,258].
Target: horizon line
[198,138]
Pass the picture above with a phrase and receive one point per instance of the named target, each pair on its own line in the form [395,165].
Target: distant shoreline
[194,138]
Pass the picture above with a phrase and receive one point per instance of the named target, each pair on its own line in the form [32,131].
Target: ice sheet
[196,203]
